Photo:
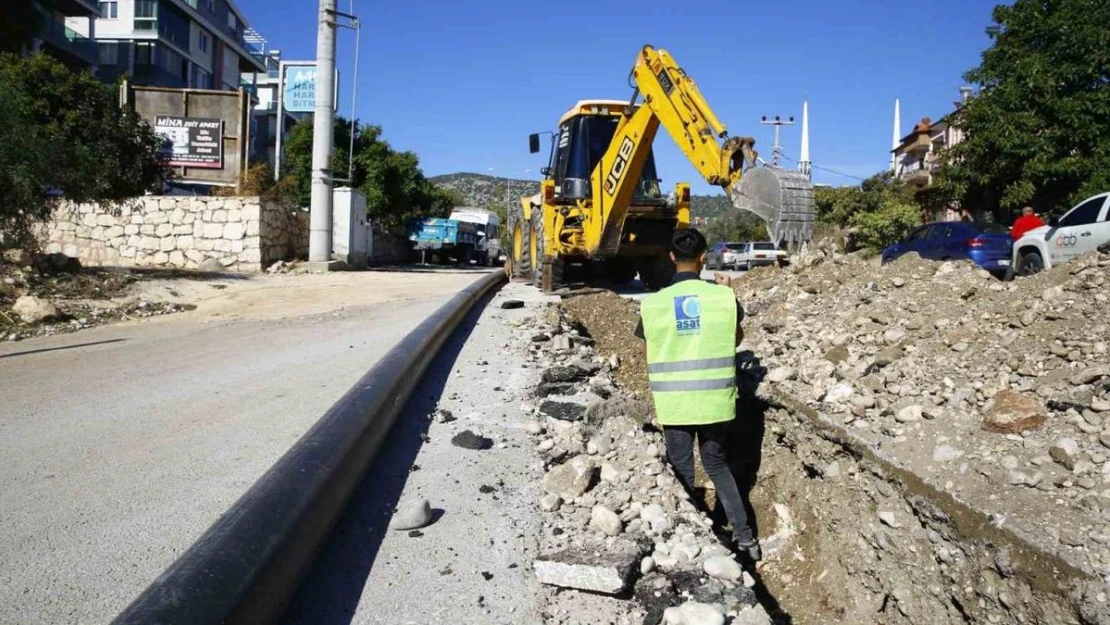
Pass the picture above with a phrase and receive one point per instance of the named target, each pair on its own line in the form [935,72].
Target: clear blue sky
[462,83]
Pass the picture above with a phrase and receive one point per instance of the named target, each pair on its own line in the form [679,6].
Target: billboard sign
[299,88]
[191,141]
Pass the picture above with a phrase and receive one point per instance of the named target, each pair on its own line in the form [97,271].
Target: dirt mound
[611,320]
[989,396]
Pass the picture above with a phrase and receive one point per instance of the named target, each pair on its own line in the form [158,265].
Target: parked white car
[758,253]
[1082,229]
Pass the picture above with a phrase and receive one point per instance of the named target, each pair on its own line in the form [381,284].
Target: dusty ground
[880,493]
[472,565]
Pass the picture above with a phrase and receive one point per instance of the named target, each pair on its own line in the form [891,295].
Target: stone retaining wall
[242,233]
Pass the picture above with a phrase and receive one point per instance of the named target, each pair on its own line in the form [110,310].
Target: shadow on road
[56,349]
[333,587]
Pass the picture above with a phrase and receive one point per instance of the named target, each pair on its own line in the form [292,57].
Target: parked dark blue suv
[986,244]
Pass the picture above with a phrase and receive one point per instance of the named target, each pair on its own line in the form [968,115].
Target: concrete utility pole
[320,226]
[894,142]
[778,123]
[804,164]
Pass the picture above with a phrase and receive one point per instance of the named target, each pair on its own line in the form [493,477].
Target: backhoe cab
[601,212]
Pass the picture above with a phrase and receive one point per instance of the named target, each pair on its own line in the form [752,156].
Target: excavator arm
[670,99]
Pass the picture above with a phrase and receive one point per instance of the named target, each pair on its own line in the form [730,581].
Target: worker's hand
[722,279]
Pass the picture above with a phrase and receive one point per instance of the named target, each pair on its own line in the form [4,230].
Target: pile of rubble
[618,522]
[53,294]
[933,441]
[997,392]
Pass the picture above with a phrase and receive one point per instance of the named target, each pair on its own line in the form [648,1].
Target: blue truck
[442,240]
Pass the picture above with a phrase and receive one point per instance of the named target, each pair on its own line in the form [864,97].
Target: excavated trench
[850,537]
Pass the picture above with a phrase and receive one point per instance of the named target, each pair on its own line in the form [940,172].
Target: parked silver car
[724,255]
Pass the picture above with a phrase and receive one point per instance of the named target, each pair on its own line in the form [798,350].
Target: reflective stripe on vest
[690,329]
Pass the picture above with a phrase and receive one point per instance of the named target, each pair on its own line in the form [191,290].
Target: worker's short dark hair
[688,244]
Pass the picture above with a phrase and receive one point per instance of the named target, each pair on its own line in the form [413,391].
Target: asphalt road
[120,445]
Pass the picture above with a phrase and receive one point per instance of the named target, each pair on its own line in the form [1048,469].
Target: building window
[202,42]
[146,15]
[109,10]
[232,23]
[201,79]
[211,5]
[109,52]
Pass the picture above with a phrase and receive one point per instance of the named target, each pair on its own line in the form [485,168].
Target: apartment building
[200,44]
[917,155]
[65,33]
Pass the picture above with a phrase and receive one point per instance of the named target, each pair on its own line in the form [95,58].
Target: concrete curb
[248,564]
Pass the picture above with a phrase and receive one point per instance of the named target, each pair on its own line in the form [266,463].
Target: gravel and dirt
[933,439]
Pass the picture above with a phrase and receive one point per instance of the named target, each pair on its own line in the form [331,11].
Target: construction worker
[692,329]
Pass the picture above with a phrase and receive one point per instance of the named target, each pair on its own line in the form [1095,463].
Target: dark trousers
[711,441]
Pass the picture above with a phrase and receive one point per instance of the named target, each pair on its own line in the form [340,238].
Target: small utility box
[349,227]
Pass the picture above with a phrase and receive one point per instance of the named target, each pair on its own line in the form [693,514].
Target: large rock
[571,479]
[412,515]
[211,265]
[1091,374]
[780,374]
[839,393]
[694,613]
[888,356]
[909,414]
[33,309]
[563,410]
[1011,412]
[595,566]
[723,568]
[606,521]
[1064,452]
[569,373]
[754,615]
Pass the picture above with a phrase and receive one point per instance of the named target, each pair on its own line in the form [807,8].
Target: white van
[488,251]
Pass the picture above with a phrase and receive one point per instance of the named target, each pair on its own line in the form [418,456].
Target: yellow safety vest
[690,329]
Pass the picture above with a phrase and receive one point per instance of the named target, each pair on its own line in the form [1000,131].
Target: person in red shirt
[1025,223]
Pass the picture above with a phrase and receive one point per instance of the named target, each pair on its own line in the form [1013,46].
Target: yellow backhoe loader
[600,212]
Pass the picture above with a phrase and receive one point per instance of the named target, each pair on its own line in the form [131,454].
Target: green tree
[1039,131]
[888,224]
[393,182]
[63,135]
[737,225]
[879,211]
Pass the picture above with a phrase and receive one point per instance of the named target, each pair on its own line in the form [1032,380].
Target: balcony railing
[71,41]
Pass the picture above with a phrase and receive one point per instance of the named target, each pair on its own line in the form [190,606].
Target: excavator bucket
[783,198]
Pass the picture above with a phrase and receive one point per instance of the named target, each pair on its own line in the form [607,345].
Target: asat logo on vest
[687,314]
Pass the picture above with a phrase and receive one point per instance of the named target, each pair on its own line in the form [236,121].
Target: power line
[826,169]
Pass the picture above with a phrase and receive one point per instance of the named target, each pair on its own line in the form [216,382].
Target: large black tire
[547,270]
[519,231]
[1031,264]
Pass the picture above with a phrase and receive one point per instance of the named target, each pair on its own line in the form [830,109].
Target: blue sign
[687,314]
[299,89]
